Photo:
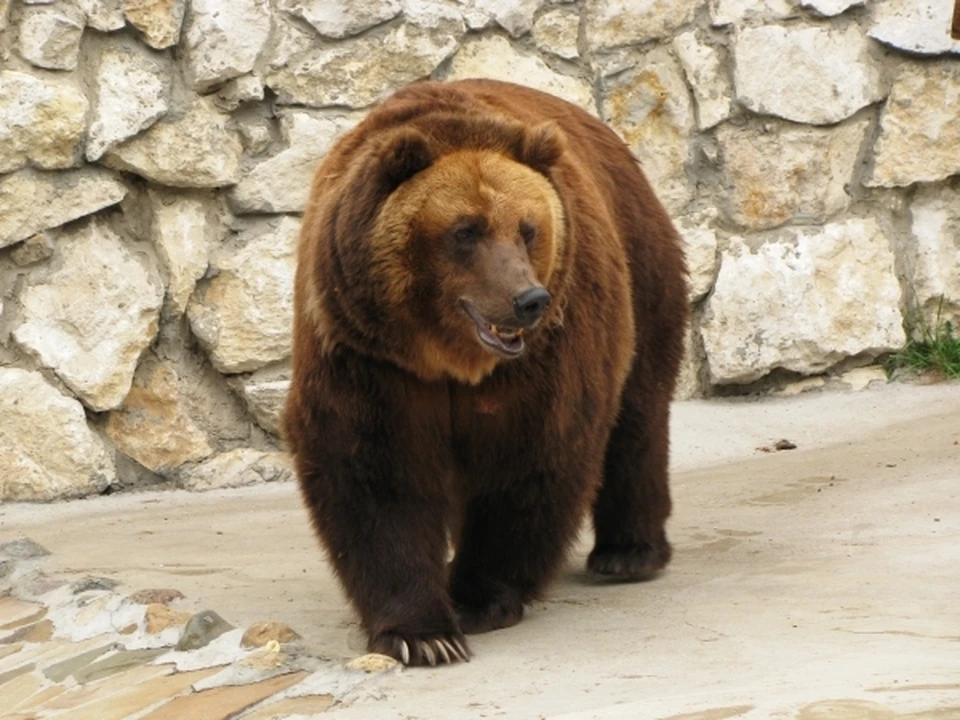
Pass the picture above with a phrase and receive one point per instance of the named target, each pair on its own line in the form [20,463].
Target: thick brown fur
[406,430]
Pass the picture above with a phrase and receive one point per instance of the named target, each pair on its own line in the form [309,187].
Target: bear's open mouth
[506,341]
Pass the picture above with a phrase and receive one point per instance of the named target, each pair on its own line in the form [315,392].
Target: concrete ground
[817,583]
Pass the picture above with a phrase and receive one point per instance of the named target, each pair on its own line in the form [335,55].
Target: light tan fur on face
[462,184]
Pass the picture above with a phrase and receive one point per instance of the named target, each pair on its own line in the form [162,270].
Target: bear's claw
[433,651]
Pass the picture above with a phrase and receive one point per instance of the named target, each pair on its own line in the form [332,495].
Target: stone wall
[155,157]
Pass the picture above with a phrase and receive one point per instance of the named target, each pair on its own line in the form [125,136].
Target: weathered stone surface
[153,426]
[814,75]
[935,226]
[372,663]
[4,13]
[92,340]
[514,16]
[358,73]
[103,15]
[289,41]
[25,548]
[556,32]
[160,21]
[223,40]
[50,36]
[829,8]
[31,202]
[34,249]
[919,26]
[729,12]
[803,303]
[282,182]
[788,173]
[650,108]
[193,150]
[265,392]
[700,247]
[342,18]
[236,468]
[46,448]
[158,617]
[201,629]
[150,596]
[42,121]
[494,57]
[613,23]
[243,316]
[259,634]
[132,94]
[702,66]
[183,229]
[239,91]
[919,132]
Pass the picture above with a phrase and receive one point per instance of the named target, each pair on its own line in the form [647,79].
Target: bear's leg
[509,549]
[632,506]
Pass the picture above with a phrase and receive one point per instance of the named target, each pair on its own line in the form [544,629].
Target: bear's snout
[530,305]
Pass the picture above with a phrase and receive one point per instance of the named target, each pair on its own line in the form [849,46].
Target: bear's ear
[543,145]
[403,156]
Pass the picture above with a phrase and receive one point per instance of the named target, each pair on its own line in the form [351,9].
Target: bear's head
[450,244]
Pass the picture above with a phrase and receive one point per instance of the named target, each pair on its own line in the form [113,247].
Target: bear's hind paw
[414,650]
[632,563]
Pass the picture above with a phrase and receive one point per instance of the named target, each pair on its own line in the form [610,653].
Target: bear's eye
[467,233]
[528,232]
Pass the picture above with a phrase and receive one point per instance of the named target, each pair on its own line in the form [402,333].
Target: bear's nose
[529,305]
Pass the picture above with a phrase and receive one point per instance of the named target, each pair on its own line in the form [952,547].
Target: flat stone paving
[88,649]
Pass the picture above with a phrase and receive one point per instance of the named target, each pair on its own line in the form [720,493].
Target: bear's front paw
[631,563]
[422,648]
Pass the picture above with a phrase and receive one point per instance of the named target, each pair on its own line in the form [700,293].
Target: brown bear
[490,308]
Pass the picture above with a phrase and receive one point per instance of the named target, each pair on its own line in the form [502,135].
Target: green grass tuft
[932,348]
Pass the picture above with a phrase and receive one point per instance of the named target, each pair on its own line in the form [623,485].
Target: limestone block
[195,149]
[788,173]
[803,302]
[132,94]
[919,133]
[817,75]
[236,468]
[703,68]
[917,26]
[160,21]
[50,36]
[153,426]
[103,15]
[737,12]
[342,18]
[935,226]
[700,248]
[514,16]
[830,8]
[496,58]
[183,229]
[239,91]
[615,23]
[243,315]
[265,393]
[31,202]
[33,250]
[650,108]
[556,32]
[92,338]
[47,451]
[282,183]
[224,40]
[42,121]
[365,70]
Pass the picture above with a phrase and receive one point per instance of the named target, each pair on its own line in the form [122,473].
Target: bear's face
[479,234]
